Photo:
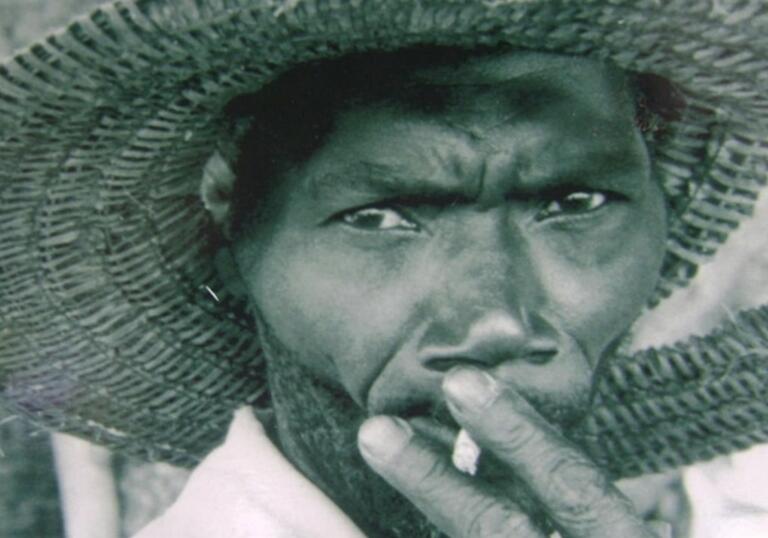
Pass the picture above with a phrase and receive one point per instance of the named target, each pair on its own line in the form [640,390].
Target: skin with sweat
[506,244]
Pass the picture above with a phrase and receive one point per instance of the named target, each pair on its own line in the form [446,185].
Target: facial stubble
[317,427]
[317,430]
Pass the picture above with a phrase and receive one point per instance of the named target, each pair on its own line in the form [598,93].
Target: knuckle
[484,517]
[518,525]
[580,492]
[521,436]
[578,486]
[431,480]
[492,520]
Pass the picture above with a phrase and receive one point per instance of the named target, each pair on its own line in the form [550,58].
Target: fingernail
[470,388]
[382,438]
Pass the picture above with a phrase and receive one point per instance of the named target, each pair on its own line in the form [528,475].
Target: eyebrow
[600,167]
[382,180]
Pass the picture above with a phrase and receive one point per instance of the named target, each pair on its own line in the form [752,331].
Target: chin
[317,429]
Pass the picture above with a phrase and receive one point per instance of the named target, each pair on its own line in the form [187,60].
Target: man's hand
[577,497]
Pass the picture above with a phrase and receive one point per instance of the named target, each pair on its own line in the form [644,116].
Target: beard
[317,427]
[317,430]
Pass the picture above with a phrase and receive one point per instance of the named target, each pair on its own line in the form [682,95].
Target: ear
[226,267]
[216,189]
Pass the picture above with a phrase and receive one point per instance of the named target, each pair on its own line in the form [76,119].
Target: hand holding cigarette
[579,499]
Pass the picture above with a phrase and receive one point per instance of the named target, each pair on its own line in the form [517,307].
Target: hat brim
[115,325]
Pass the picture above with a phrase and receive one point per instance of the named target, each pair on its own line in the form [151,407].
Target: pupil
[581,201]
[369,218]
[577,201]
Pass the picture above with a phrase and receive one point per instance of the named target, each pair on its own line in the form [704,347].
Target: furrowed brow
[376,179]
[598,167]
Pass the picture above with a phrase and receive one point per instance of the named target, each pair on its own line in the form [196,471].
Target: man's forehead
[487,95]
[523,72]
[501,65]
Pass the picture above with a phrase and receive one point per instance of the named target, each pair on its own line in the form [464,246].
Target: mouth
[431,419]
[437,411]
[435,423]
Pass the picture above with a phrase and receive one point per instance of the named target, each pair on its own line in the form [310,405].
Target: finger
[578,497]
[426,477]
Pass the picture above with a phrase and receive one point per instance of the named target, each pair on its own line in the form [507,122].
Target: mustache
[561,413]
[434,411]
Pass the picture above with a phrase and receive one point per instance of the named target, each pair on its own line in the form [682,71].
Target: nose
[483,322]
[495,336]
[490,309]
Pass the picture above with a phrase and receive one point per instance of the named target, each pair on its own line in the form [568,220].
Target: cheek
[598,291]
[343,316]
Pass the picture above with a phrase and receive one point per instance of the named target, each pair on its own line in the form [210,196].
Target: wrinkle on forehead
[491,124]
[379,179]
[457,170]
[512,84]
[511,66]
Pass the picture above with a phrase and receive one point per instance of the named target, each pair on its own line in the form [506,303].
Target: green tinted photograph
[383,269]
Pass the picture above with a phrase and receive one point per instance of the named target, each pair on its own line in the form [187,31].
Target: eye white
[376,218]
[576,202]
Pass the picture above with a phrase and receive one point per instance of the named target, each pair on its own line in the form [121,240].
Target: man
[454,238]
[460,225]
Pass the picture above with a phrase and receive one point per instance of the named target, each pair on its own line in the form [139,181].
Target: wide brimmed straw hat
[115,325]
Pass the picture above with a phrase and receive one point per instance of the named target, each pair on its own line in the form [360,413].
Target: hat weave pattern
[681,404]
[114,325]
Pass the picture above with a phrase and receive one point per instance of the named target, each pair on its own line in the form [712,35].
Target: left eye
[378,218]
[574,203]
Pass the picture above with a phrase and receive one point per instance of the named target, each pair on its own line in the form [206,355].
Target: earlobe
[229,273]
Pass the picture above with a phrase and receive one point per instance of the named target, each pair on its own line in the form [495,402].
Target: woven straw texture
[673,406]
[113,323]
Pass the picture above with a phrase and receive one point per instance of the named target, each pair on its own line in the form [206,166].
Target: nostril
[443,364]
[540,357]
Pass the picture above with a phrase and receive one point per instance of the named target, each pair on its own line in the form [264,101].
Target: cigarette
[465,453]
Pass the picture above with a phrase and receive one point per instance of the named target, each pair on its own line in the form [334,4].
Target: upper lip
[427,404]
[423,408]
[443,363]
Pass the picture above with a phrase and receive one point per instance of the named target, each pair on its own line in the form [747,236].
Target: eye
[574,203]
[378,219]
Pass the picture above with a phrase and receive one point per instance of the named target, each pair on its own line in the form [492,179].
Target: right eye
[376,219]
[574,203]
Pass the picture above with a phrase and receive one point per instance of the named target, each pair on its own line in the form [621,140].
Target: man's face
[518,230]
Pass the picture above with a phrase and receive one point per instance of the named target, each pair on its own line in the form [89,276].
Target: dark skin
[486,259]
